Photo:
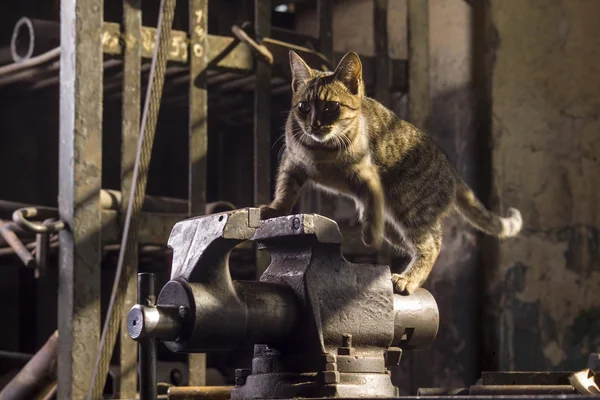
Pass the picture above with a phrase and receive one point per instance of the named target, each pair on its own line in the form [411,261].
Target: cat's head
[326,104]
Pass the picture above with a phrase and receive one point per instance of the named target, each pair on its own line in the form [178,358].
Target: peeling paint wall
[545,107]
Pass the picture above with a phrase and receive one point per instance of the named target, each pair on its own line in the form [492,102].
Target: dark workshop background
[515,102]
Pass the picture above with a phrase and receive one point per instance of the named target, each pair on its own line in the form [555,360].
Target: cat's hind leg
[425,249]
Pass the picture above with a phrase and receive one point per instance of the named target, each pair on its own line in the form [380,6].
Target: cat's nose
[315,124]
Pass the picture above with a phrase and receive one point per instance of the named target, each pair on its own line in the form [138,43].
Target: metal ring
[20,218]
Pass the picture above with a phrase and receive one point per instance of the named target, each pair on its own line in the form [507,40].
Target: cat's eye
[304,107]
[332,107]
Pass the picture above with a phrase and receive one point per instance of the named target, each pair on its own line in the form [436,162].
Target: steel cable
[129,240]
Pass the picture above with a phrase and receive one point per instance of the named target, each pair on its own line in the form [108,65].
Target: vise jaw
[321,326]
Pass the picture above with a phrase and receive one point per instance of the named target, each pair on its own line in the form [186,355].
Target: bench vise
[322,327]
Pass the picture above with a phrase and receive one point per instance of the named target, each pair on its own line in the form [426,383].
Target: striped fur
[341,141]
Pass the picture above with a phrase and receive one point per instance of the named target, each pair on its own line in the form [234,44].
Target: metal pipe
[16,356]
[36,374]
[147,347]
[33,37]
[32,62]
[442,392]
[7,232]
[199,393]
[483,390]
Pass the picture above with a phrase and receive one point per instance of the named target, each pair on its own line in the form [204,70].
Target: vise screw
[322,327]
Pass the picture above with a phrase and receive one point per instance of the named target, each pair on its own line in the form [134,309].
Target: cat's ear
[349,72]
[301,72]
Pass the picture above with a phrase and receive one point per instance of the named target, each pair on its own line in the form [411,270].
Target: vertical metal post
[418,63]
[382,58]
[262,121]
[325,204]
[325,28]
[132,24]
[198,26]
[80,179]
[147,346]
[382,75]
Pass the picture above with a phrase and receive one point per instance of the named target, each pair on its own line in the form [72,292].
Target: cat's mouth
[321,135]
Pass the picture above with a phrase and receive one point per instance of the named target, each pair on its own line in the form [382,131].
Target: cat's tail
[481,218]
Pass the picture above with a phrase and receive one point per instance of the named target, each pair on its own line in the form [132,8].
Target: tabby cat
[344,142]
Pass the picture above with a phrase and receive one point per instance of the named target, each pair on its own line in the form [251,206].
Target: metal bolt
[296,223]
[243,372]
[184,311]
[240,376]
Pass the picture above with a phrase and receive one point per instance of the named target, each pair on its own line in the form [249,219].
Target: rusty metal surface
[130,131]
[198,124]
[222,51]
[39,372]
[200,393]
[80,179]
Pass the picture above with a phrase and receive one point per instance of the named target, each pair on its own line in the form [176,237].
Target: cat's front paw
[371,237]
[268,212]
[404,284]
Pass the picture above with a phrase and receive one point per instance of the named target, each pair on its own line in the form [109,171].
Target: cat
[343,142]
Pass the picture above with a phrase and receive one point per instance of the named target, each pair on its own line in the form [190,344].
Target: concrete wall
[545,107]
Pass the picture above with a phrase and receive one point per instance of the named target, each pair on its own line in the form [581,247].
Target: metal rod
[8,234]
[36,374]
[12,355]
[323,204]
[130,131]
[200,393]
[198,142]
[482,390]
[32,62]
[147,347]
[382,55]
